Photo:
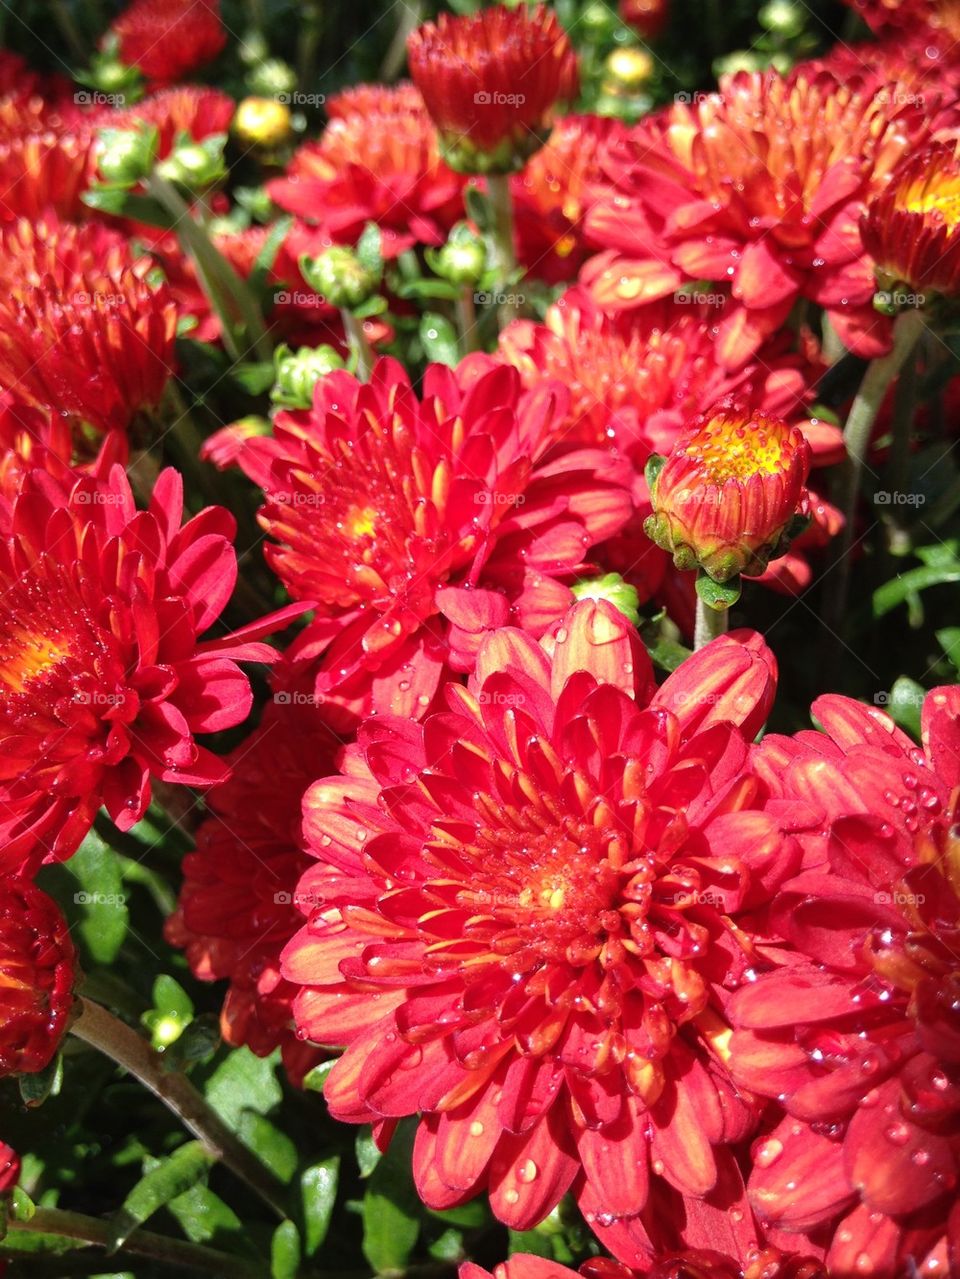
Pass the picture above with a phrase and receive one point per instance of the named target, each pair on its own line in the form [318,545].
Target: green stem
[118,1041]
[505,258]
[856,436]
[359,345]
[236,307]
[708,624]
[467,320]
[68,27]
[898,466]
[411,16]
[144,1243]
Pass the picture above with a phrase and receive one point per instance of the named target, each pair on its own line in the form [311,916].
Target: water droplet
[527,1172]
[476,1128]
[768,1152]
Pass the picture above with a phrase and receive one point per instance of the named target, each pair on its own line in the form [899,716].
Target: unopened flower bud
[262,122]
[340,276]
[299,371]
[126,156]
[463,259]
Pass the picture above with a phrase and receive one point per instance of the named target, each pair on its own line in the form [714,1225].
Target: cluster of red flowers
[593,935]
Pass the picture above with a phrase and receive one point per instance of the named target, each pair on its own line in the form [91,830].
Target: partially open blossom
[104,680]
[728,492]
[912,227]
[418,525]
[757,187]
[40,172]
[648,17]
[856,1030]
[83,331]
[377,160]
[532,904]
[196,110]
[166,39]
[552,194]
[37,973]
[493,82]
[932,16]
[238,904]
[759,1263]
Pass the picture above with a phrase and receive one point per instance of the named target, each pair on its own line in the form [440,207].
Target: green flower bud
[195,165]
[126,156]
[463,259]
[298,372]
[783,18]
[272,78]
[340,276]
[612,588]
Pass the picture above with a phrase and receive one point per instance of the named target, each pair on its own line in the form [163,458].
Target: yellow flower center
[731,448]
[361,522]
[942,197]
[29,655]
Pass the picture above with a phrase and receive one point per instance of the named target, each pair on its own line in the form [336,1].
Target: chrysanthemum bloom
[758,187]
[377,160]
[636,380]
[83,330]
[648,17]
[532,905]
[193,109]
[32,438]
[9,1168]
[765,1263]
[238,901]
[857,1031]
[40,172]
[728,491]
[104,680]
[553,193]
[167,39]
[897,15]
[493,82]
[912,228]
[37,971]
[419,526]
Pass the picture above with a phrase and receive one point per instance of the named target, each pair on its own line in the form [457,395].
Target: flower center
[943,198]
[731,447]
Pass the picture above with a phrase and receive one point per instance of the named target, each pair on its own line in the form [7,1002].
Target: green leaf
[469,1216]
[243,1082]
[905,703]
[428,289]
[895,592]
[439,339]
[285,1252]
[314,1080]
[478,207]
[949,641]
[369,249]
[91,891]
[205,1218]
[655,464]
[391,1206]
[255,378]
[375,305]
[36,1088]
[318,1190]
[718,595]
[171,1013]
[169,1179]
[368,1155]
[119,201]
[273,1147]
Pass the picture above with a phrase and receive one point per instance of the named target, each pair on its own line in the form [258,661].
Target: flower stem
[467,320]
[359,346]
[144,1243]
[856,435]
[115,1039]
[501,202]
[708,624]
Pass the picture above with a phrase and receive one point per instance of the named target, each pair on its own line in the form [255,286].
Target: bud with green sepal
[298,372]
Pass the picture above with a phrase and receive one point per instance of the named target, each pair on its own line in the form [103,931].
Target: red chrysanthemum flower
[493,82]
[857,1033]
[167,39]
[553,193]
[912,228]
[190,108]
[728,492]
[765,1263]
[533,904]
[104,681]
[238,904]
[898,15]
[377,160]
[758,187]
[636,380]
[417,526]
[9,1168]
[82,329]
[648,17]
[32,438]
[37,973]
[42,172]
